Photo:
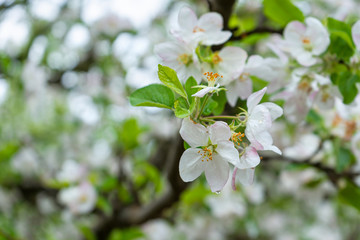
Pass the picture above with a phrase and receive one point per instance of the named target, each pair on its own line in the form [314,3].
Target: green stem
[221,117]
[203,106]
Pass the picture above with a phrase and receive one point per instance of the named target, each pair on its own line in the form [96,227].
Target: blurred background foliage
[66,71]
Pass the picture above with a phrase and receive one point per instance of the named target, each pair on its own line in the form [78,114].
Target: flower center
[336,121]
[350,128]
[184,58]
[216,58]
[83,198]
[304,86]
[212,78]
[244,76]
[198,29]
[237,138]
[307,43]
[206,153]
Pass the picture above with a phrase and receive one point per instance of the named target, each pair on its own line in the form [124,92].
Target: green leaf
[108,184]
[209,107]
[336,26]
[181,108]
[128,133]
[154,95]
[168,77]
[350,194]
[104,205]
[344,158]
[189,88]
[282,11]
[7,150]
[87,233]
[128,234]
[341,43]
[195,195]
[221,101]
[346,81]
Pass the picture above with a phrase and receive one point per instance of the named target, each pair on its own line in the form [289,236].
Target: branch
[332,174]
[224,7]
[135,214]
[256,30]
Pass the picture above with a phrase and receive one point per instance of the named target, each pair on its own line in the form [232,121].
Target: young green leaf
[282,11]
[154,95]
[189,88]
[347,85]
[209,107]
[221,101]
[168,77]
[341,42]
[350,194]
[181,108]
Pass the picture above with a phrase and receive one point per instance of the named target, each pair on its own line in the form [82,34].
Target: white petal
[254,99]
[246,176]
[187,19]
[355,32]
[217,173]
[233,61]
[168,51]
[194,134]
[250,158]
[191,166]
[219,131]
[259,119]
[228,152]
[275,110]
[273,148]
[294,31]
[211,22]
[215,38]
[355,145]
[305,59]
[204,91]
[264,138]
[250,135]
[318,35]
[232,93]
[238,88]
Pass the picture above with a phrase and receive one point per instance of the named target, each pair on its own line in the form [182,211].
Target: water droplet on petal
[218,192]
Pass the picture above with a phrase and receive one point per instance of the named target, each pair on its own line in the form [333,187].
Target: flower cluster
[301,76]
[214,146]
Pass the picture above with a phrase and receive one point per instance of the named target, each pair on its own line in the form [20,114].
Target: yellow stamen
[206,154]
[237,138]
[306,40]
[216,58]
[350,128]
[212,77]
[198,29]
[184,58]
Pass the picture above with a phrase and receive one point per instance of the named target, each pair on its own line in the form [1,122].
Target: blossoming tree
[221,120]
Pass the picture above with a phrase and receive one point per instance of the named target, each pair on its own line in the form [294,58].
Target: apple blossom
[260,117]
[181,57]
[245,176]
[206,30]
[210,151]
[304,147]
[242,86]
[305,42]
[71,172]
[79,199]
[229,62]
